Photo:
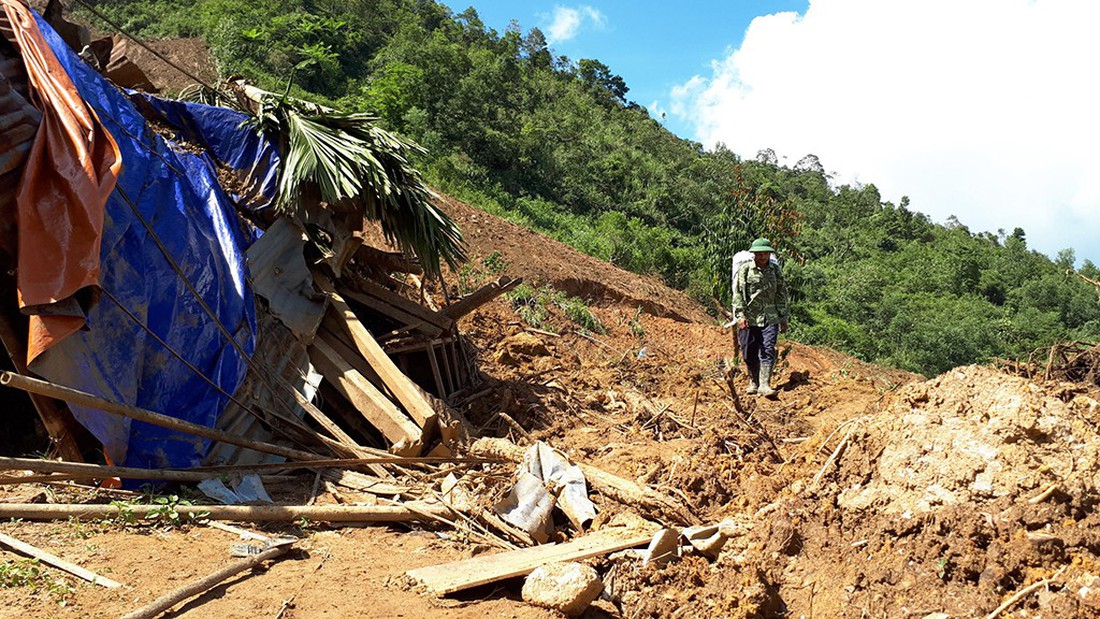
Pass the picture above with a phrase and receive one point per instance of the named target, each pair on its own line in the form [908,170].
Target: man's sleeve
[739,293]
[781,296]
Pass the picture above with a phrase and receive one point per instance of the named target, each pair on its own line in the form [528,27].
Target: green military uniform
[760,300]
[760,295]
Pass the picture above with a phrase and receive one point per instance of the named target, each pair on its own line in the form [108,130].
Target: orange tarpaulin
[71,171]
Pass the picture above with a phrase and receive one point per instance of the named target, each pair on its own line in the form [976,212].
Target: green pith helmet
[762,244]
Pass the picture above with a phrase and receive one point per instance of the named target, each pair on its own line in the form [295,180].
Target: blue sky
[654,46]
[981,109]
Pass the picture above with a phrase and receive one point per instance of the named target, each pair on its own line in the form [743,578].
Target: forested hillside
[556,144]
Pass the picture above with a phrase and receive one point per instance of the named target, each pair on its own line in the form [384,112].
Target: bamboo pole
[191,589]
[233,513]
[74,396]
[76,470]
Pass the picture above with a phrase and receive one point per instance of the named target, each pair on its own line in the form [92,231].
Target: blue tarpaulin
[178,194]
[222,134]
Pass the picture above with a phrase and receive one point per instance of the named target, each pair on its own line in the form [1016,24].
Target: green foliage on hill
[556,145]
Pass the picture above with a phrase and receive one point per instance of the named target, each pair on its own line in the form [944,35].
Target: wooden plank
[484,569]
[375,407]
[366,483]
[338,405]
[399,385]
[330,332]
[57,562]
[436,375]
[391,261]
[410,322]
[330,426]
[480,297]
[366,289]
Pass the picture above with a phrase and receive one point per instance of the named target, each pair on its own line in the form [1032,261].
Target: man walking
[760,311]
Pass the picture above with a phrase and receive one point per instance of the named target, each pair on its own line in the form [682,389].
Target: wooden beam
[484,569]
[399,385]
[405,435]
[330,331]
[390,261]
[366,289]
[57,562]
[480,297]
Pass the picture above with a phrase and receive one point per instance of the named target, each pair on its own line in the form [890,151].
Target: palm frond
[346,159]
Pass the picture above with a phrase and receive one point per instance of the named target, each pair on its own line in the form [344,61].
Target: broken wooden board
[484,569]
[480,297]
[405,435]
[402,388]
[397,307]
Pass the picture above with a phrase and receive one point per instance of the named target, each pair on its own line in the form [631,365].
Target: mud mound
[963,491]
[967,437]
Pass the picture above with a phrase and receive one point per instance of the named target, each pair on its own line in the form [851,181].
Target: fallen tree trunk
[414,512]
[659,506]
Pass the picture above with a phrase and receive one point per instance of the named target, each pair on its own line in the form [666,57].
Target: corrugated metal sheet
[280,275]
[280,356]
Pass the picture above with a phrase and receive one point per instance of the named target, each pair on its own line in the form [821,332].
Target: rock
[565,587]
[664,547]
[524,344]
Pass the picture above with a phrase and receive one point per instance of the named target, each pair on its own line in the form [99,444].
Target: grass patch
[533,306]
[31,574]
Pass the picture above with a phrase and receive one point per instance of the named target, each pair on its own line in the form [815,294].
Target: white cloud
[566,22]
[985,109]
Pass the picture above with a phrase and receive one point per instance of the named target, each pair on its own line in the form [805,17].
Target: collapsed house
[158,266]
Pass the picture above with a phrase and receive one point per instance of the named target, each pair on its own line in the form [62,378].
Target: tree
[598,77]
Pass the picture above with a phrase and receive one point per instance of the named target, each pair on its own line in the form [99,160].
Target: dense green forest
[556,144]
